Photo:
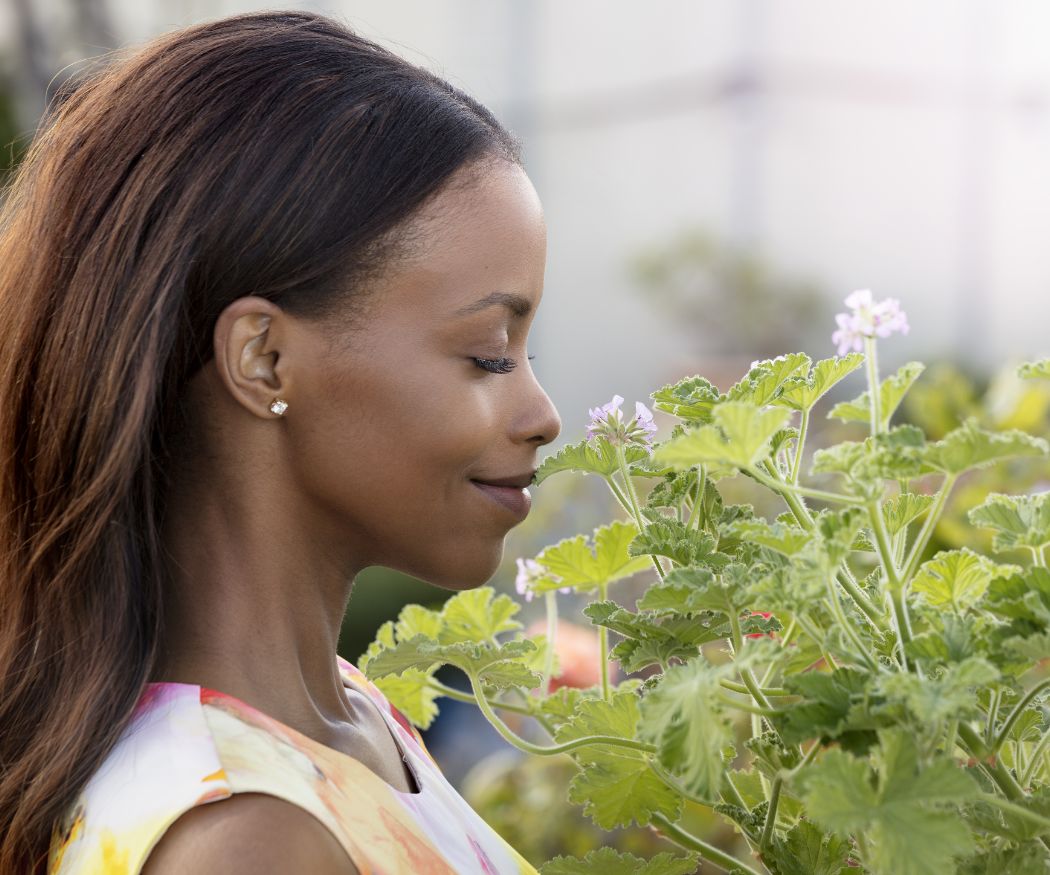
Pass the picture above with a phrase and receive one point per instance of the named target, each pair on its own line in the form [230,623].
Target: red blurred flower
[578,651]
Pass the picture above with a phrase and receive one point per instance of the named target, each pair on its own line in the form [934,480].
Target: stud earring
[278,406]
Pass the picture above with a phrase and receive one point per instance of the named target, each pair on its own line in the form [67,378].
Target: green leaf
[1035,370]
[682,715]
[1028,859]
[891,392]
[571,562]
[895,454]
[806,850]
[787,540]
[691,399]
[898,813]
[740,437]
[616,785]
[409,693]
[902,509]
[606,861]
[497,666]
[680,543]
[951,695]
[970,446]
[595,456]
[958,578]
[1018,520]
[829,700]
[473,615]
[763,380]
[803,392]
[417,620]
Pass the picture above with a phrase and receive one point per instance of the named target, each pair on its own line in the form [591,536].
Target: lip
[517,501]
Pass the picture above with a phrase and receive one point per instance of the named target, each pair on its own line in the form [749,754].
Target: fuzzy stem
[797,462]
[635,510]
[603,650]
[1036,760]
[872,361]
[528,747]
[1013,716]
[552,631]
[709,852]
[932,516]
[779,486]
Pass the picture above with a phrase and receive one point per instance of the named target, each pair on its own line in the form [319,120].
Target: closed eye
[498,366]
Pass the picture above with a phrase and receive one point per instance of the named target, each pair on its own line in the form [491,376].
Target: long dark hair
[274,154]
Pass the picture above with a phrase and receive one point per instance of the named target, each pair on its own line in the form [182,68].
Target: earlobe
[245,353]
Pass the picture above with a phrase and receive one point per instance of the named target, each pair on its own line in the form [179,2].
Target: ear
[248,338]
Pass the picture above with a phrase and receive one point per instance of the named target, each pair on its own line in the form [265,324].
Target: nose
[541,422]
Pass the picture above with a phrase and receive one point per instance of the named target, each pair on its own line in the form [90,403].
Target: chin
[469,569]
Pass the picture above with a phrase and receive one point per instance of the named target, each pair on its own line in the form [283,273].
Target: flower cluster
[608,422]
[529,571]
[867,319]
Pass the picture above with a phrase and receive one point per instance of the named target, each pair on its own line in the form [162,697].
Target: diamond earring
[278,406]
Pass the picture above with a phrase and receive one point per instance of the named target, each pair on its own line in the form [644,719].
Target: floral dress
[188,745]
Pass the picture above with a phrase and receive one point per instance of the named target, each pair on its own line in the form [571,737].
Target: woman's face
[390,424]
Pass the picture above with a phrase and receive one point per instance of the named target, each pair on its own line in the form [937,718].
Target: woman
[265,292]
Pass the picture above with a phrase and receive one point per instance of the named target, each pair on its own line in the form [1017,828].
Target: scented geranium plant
[846,702]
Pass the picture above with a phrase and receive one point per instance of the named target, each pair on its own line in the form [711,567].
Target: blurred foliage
[728,297]
[12,146]
[523,799]
[942,397]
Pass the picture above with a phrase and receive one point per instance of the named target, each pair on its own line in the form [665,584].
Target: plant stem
[896,585]
[1037,757]
[771,813]
[846,627]
[804,519]
[460,696]
[747,706]
[797,463]
[1037,557]
[872,361]
[528,747]
[932,516]
[1016,810]
[768,691]
[993,715]
[779,486]
[636,512]
[701,488]
[708,852]
[603,649]
[745,673]
[552,631]
[1011,719]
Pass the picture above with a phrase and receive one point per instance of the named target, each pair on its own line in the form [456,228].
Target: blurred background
[717,175]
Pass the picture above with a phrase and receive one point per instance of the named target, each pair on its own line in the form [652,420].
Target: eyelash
[498,366]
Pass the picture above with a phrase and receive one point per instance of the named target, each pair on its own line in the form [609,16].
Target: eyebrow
[517,304]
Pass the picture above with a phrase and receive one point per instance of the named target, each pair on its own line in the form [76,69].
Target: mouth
[515,499]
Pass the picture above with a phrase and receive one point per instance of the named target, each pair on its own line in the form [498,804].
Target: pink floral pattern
[189,745]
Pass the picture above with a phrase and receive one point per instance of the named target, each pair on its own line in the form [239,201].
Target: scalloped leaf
[891,392]
[740,437]
[958,578]
[595,456]
[571,562]
[1018,520]
[803,392]
[764,378]
[691,399]
[970,446]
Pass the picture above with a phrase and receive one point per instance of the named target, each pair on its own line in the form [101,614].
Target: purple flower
[529,571]
[607,421]
[867,319]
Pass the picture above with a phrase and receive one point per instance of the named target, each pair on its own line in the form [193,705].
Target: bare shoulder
[248,833]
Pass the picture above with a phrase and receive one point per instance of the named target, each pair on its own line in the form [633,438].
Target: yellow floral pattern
[189,745]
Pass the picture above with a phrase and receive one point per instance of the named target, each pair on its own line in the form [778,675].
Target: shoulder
[248,833]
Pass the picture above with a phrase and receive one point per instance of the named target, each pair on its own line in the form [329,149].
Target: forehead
[482,246]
